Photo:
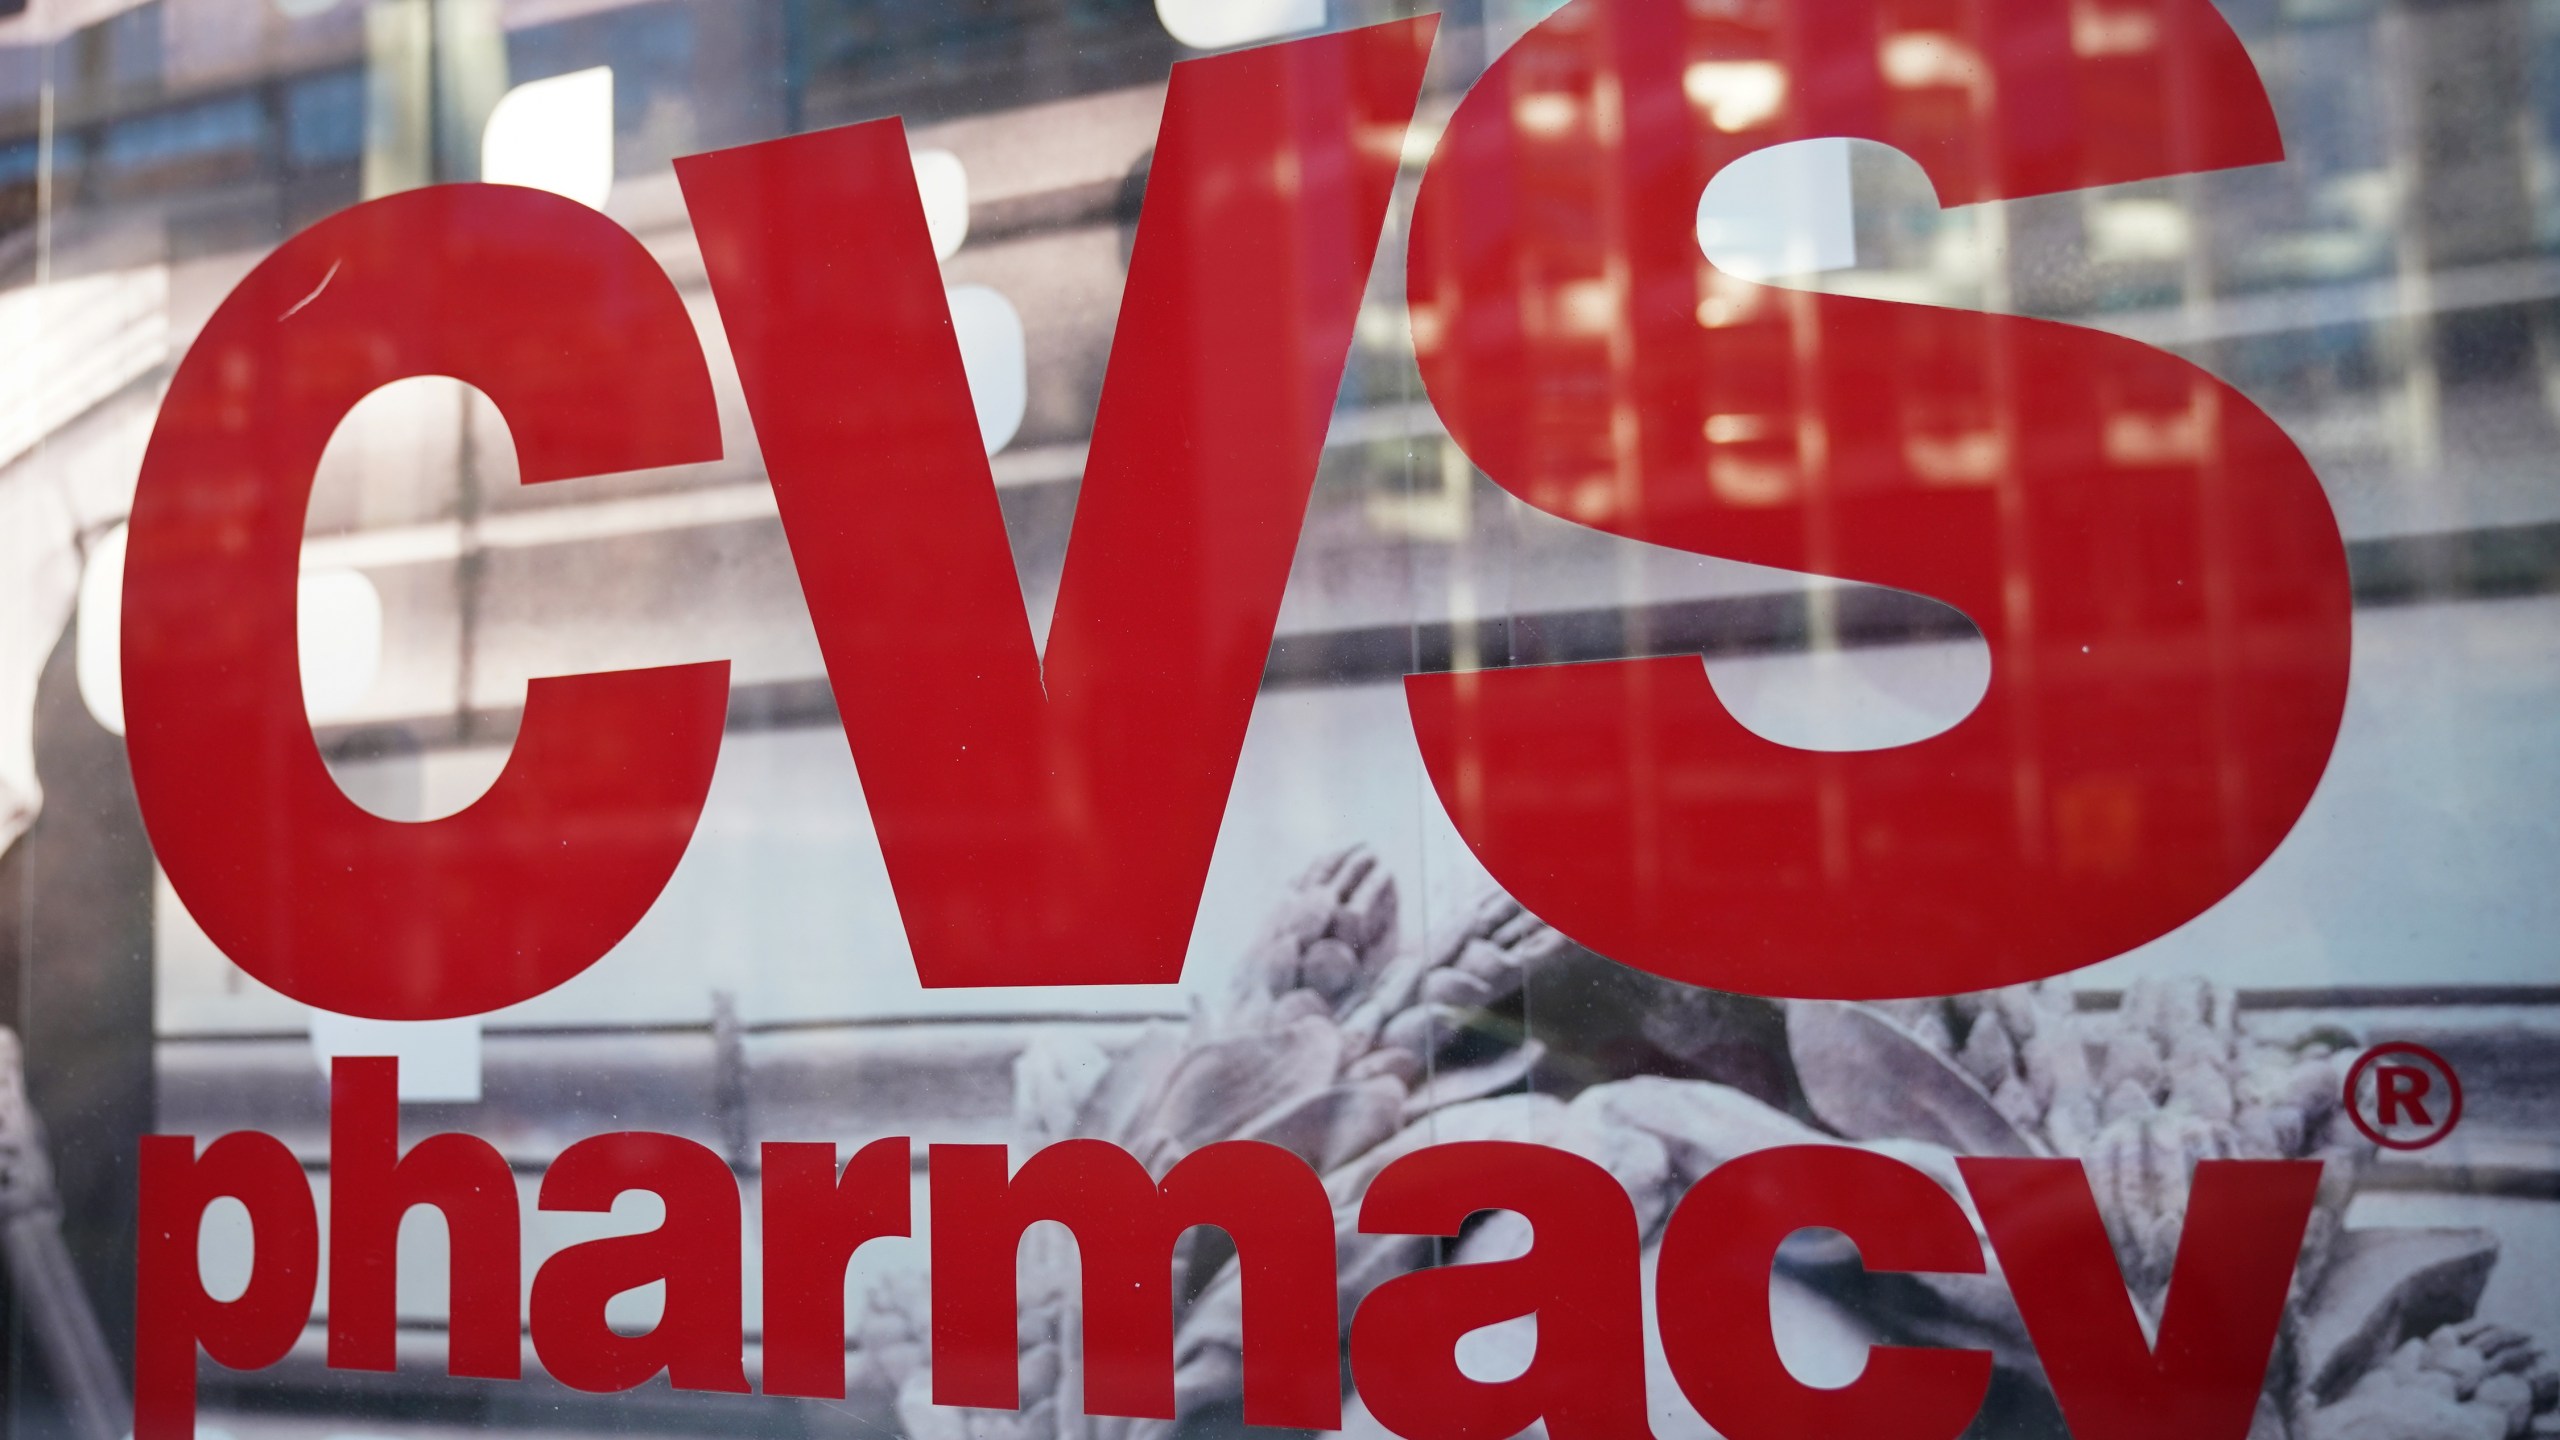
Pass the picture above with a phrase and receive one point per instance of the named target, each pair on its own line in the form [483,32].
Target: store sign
[2150,561]
[2197,1379]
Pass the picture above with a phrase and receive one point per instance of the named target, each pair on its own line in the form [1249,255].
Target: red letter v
[2218,1323]
[1049,821]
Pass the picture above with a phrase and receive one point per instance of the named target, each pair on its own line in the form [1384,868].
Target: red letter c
[1712,1295]
[567,324]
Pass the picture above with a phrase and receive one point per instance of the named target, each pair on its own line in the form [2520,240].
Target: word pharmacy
[2198,1379]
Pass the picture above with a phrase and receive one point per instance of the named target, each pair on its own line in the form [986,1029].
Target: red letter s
[564,321]
[2167,621]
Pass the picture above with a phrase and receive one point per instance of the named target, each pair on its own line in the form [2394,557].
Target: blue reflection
[171,137]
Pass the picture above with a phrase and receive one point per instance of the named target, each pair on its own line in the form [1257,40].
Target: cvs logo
[2168,622]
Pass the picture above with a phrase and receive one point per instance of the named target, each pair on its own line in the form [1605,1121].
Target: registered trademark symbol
[2403,1096]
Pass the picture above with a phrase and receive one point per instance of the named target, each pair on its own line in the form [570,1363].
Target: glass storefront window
[1712,717]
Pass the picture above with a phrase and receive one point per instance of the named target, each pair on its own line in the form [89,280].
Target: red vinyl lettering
[700,1338]
[372,1186]
[814,1220]
[2200,1379]
[1712,1296]
[1266,1198]
[1047,816]
[2151,561]
[173,1314]
[564,321]
[1581,1278]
